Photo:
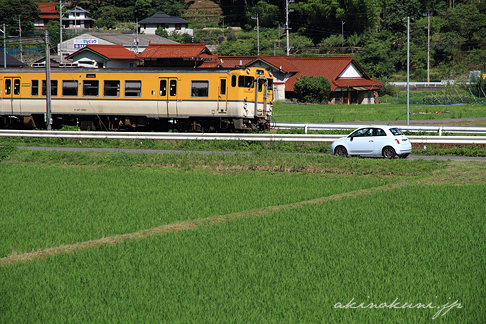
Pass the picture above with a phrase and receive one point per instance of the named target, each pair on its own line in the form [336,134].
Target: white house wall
[150,30]
[350,72]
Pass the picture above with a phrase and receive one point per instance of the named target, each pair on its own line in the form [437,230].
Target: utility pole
[287,22]
[342,33]
[4,31]
[408,70]
[48,83]
[20,38]
[428,44]
[258,34]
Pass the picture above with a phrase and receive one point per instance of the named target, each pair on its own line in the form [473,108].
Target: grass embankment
[247,246]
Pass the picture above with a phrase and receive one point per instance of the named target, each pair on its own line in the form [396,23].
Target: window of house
[69,88]
[133,88]
[199,88]
[111,88]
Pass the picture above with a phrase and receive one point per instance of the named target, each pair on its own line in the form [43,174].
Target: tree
[12,9]
[378,56]
[312,89]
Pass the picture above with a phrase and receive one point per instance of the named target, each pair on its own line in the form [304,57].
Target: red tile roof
[235,61]
[48,10]
[114,52]
[175,51]
[329,67]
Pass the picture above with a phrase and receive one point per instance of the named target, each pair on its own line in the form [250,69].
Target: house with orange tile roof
[179,55]
[349,82]
[105,56]
[47,13]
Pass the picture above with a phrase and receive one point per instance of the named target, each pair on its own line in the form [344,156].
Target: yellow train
[200,100]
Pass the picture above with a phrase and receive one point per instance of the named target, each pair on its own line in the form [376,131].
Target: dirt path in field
[456,174]
[182,226]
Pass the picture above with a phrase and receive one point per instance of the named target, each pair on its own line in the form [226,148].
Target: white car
[386,141]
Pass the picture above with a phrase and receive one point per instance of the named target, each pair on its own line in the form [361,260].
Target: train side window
[111,88]
[34,88]
[8,86]
[133,88]
[53,88]
[199,88]
[91,88]
[233,81]
[17,86]
[245,81]
[69,87]
[163,88]
[223,86]
[173,87]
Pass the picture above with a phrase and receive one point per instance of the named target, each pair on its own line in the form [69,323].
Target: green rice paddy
[260,239]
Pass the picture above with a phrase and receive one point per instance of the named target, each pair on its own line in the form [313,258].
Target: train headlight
[248,71]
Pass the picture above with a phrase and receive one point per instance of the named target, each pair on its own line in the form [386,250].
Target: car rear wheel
[389,152]
[341,151]
[403,156]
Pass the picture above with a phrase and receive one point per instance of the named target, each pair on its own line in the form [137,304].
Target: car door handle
[371,141]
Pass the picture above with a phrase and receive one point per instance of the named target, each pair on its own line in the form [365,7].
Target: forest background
[374,32]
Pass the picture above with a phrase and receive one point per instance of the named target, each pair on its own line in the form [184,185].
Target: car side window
[396,131]
[379,132]
[363,132]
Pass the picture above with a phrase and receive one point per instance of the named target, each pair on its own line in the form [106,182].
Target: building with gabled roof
[48,12]
[77,18]
[170,24]
[349,82]
[132,42]
[105,56]
[10,61]
[179,55]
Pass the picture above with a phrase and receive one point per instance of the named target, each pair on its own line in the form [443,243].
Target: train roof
[124,70]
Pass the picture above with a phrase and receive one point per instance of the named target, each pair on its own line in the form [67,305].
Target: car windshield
[396,131]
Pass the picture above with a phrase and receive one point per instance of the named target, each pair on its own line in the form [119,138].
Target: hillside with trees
[374,32]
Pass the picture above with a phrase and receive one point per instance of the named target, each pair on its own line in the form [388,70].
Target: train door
[261,96]
[12,95]
[167,99]
[222,96]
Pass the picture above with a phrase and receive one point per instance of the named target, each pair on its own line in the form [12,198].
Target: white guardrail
[267,137]
[415,128]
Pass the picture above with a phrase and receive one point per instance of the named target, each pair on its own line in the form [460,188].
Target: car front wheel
[341,151]
[389,152]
